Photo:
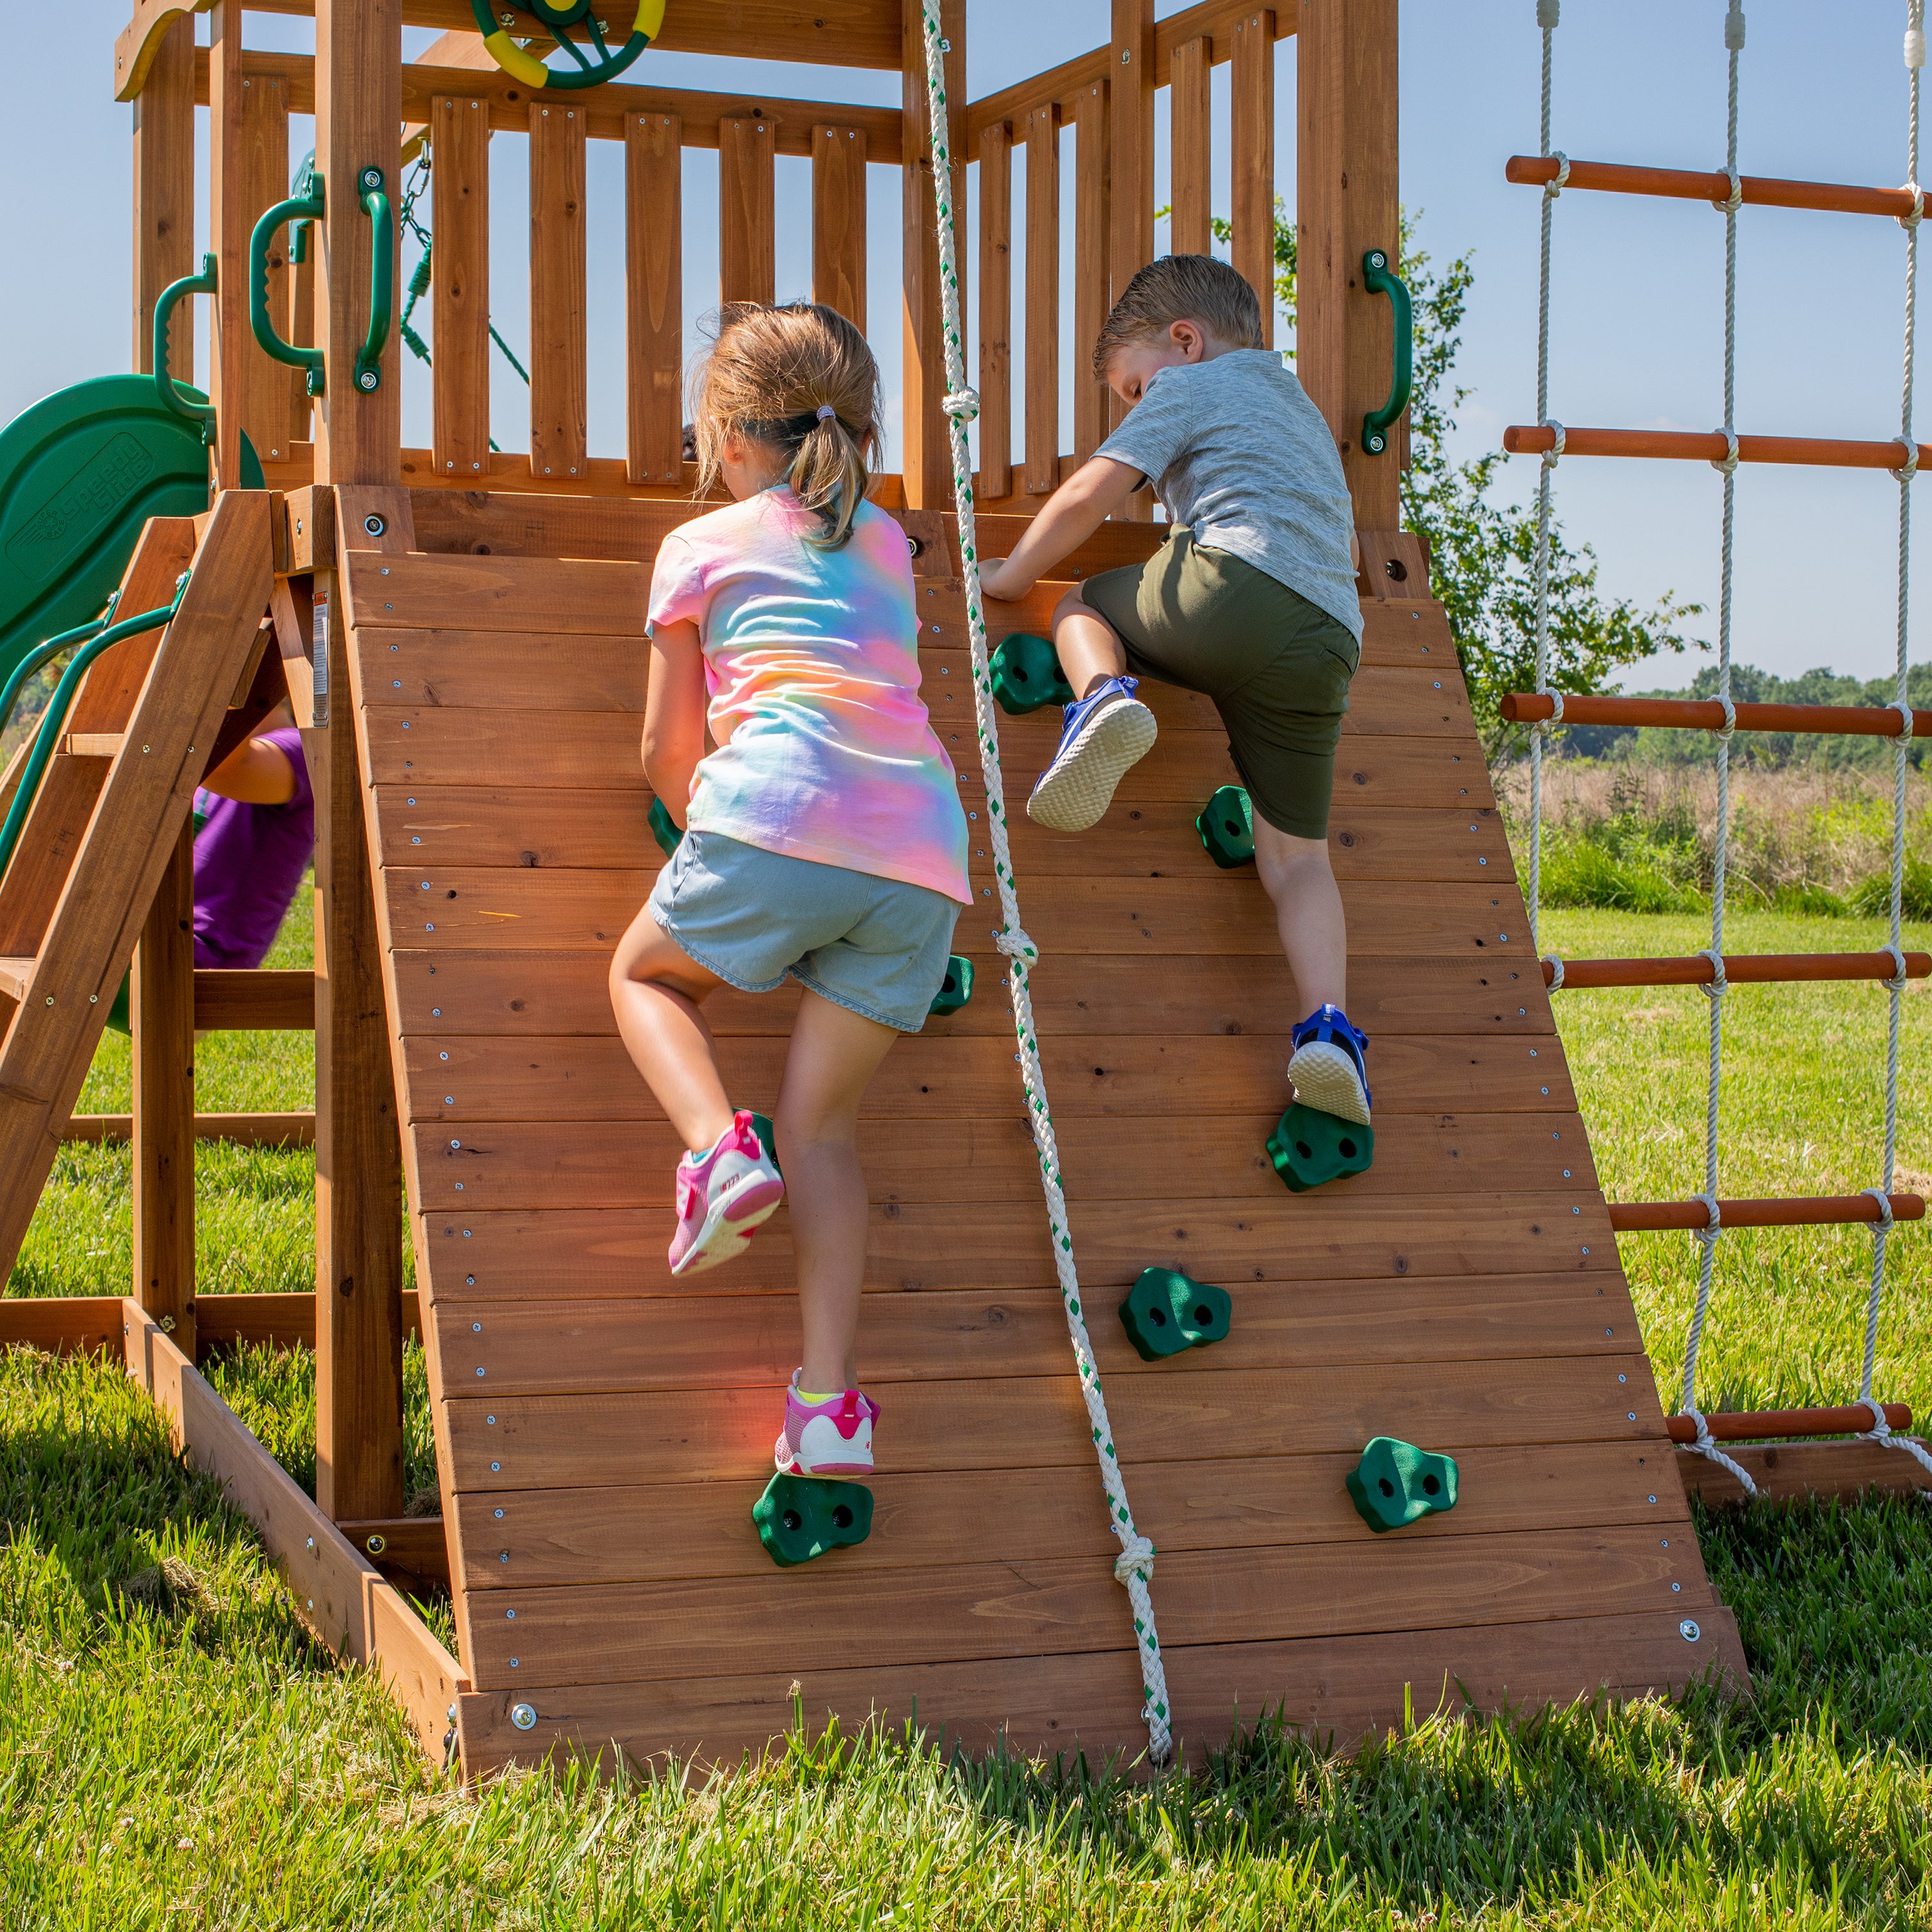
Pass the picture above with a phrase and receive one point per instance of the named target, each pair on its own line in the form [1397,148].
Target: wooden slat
[261,1001]
[295,1130]
[996,310]
[926,435]
[1791,1471]
[1042,300]
[268,389]
[1252,149]
[654,296]
[498,593]
[1091,217]
[164,190]
[992,1236]
[161,1009]
[1343,1688]
[281,1321]
[1191,147]
[659,1533]
[558,348]
[231,348]
[1132,76]
[613,1346]
[66,1324]
[838,220]
[518,995]
[843,1618]
[460,284]
[746,209]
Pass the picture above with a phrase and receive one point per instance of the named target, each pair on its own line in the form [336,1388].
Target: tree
[1482,555]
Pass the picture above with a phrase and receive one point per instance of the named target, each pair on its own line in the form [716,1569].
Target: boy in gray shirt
[1251,601]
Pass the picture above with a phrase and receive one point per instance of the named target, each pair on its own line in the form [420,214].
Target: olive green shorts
[1277,667]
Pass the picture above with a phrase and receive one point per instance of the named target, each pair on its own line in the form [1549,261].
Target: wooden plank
[281,1321]
[559,354]
[1191,147]
[50,840]
[144,802]
[1345,1688]
[653,297]
[358,115]
[1042,302]
[62,1324]
[164,190]
[414,1544]
[295,1130]
[660,1533]
[1131,81]
[1792,1471]
[839,1617]
[459,285]
[230,346]
[1112,546]
[838,220]
[1251,150]
[996,310]
[343,1600]
[730,1340]
[1091,233]
[262,1000]
[268,390]
[516,994]
[747,210]
[991,1236]
[926,436]
[161,1009]
[506,593]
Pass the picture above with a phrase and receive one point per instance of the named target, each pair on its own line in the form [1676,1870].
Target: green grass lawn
[178,1753]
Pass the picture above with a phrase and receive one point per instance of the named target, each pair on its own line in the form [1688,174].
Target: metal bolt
[375,525]
[1688,1630]
[377,1544]
[522,1716]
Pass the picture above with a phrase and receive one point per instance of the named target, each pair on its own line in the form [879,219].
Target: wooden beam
[747,212]
[296,1129]
[1190,149]
[229,342]
[996,310]
[164,190]
[1792,1471]
[1347,196]
[1092,198]
[1042,302]
[1252,149]
[268,390]
[654,296]
[839,220]
[460,284]
[161,1011]
[560,352]
[928,456]
[1130,85]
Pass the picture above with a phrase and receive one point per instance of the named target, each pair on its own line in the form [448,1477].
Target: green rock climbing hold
[1166,1312]
[663,830]
[1026,674]
[1396,1483]
[1227,828]
[768,1138]
[1309,1146]
[957,987]
[799,1517]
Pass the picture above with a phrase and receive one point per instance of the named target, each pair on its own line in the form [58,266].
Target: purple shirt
[248,861]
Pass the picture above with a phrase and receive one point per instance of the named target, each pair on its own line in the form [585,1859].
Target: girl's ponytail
[828,475]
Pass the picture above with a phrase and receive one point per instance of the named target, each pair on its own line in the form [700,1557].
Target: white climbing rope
[1880,1430]
[1134,1567]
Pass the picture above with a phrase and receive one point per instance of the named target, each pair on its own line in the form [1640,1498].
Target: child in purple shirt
[255,831]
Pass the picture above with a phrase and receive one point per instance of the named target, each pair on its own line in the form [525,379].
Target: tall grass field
[176,1752]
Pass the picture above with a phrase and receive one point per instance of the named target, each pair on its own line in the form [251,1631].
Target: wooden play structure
[460,629]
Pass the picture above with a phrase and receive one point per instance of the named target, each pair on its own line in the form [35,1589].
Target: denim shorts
[877,946]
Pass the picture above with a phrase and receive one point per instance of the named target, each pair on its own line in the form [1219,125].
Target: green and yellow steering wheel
[598,62]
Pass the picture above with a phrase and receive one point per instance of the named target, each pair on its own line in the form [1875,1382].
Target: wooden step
[16,970]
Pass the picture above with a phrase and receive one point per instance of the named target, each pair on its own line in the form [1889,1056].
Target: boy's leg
[1307,913]
[655,988]
[1103,732]
[1089,648]
[834,1053]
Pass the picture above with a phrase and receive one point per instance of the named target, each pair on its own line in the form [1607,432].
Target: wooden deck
[603,1431]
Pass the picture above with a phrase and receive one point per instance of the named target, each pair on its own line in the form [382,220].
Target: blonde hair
[1182,288]
[799,379]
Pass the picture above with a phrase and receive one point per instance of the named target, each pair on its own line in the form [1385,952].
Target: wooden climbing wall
[603,1433]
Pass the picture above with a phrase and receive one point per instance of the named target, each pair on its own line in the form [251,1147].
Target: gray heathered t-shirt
[1237,452]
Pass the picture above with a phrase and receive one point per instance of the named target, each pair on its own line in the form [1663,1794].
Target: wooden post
[654,296]
[1042,300]
[1348,202]
[1092,194]
[996,311]
[1191,226]
[1130,77]
[268,389]
[161,1016]
[928,459]
[839,220]
[747,210]
[1252,128]
[228,341]
[559,406]
[460,285]
[358,1152]
[164,194]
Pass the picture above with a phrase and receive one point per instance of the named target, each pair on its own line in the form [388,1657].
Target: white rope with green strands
[1915,61]
[1134,1566]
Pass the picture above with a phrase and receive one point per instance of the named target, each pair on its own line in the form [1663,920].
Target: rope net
[1548,17]
[1134,1567]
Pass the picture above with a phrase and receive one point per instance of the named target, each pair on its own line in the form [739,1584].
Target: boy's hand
[999,579]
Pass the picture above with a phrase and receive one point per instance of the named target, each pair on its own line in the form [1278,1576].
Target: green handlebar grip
[298,207]
[202,414]
[10,691]
[381,279]
[1379,280]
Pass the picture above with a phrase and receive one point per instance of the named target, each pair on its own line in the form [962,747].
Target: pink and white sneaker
[831,1438]
[722,1197]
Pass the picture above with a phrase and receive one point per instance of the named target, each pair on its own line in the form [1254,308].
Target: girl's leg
[1307,912]
[834,1054]
[1088,647]
[655,988]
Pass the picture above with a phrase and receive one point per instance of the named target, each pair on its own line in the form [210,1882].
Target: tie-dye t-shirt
[825,751]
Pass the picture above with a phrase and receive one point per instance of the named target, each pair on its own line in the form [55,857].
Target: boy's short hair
[1182,288]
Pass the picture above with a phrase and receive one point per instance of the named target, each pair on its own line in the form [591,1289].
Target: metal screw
[499,1514]
[522,1715]
[496,1468]
[1688,1630]
[1677,1586]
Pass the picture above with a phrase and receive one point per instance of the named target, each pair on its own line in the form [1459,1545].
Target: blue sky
[1638,311]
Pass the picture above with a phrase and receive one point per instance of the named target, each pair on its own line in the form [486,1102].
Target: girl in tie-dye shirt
[823,839]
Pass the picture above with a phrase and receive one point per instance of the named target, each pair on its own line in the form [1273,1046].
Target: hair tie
[826,413]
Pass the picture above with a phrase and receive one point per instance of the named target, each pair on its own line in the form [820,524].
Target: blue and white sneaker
[1101,737]
[1330,1069]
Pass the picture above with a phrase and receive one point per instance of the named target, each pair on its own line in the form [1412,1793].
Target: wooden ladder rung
[93,744]
[15,969]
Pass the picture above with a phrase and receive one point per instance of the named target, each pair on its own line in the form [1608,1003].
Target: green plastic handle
[1379,280]
[202,414]
[381,279]
[53,720]
[298,208]
[10,692]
